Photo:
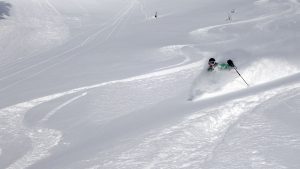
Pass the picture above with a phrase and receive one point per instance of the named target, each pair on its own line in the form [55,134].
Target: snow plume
[261,71]
[268,69]
[209,84]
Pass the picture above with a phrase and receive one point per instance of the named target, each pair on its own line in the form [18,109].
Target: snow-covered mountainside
[103,84]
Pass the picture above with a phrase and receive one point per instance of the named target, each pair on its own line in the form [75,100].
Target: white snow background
[102,84]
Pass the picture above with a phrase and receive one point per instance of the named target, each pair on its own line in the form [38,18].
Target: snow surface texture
[103,84]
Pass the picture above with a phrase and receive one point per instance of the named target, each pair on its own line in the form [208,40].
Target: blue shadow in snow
[4,9]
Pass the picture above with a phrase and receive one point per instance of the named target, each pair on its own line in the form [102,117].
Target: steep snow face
[103,84]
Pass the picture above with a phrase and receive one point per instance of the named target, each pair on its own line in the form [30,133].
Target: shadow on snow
[4,9]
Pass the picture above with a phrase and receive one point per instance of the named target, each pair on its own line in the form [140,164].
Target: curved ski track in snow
[294,8]
[45,139]
[52,112]
[178,145]
[173,51]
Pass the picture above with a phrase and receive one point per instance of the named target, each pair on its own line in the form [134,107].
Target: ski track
[47,22]
[115,20]
[118,22]
[175,50]
[42,139]
[52,7]
[45,139]
[115,24]
[253,153]
[204,30]
[55,110]
[178,146]
[85,11]
[142,9]
[294,7]
[82,44]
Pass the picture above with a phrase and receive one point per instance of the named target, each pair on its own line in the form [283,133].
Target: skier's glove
[230,63]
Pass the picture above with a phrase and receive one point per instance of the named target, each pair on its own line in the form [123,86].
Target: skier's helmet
[211,61]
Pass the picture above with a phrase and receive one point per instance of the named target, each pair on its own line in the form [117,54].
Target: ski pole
[240,75]
[230,62]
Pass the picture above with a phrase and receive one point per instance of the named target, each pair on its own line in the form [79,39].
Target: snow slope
[103,84]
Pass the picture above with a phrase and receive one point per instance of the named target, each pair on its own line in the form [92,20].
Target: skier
[205,83]
[221,66]
[209,83]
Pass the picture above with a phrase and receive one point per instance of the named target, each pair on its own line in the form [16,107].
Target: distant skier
[230,14]
[221,66]
[229,18]
[156,15]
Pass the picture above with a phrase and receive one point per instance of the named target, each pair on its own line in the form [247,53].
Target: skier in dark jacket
[221,66]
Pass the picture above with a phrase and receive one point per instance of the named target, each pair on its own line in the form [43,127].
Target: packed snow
[104,84]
